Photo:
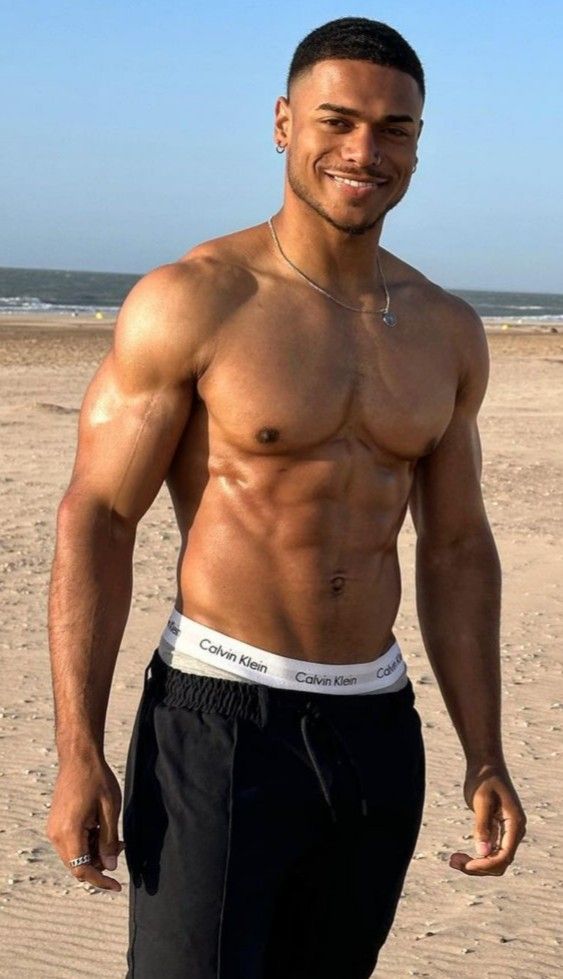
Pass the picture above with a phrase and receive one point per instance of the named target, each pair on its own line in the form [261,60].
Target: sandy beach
[448,925]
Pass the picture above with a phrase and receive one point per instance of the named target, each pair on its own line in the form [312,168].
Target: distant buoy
[506,326]
[99,316]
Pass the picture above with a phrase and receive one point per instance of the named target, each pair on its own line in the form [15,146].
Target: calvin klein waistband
[185,635]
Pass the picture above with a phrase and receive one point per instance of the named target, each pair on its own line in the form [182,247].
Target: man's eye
[335,122]
[396,132]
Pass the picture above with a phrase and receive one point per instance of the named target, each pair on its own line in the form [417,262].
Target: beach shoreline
[26,321]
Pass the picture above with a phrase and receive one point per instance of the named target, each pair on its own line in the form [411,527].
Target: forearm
[458,600]
[89,601]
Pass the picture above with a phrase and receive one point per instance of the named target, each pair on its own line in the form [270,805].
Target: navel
[337,584]
[266,435]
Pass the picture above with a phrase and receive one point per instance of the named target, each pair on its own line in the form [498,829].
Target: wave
[32,304]
[483,305]
[516,320]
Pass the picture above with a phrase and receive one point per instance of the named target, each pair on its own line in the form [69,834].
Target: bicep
[138,402]
[126,440]
[446,500]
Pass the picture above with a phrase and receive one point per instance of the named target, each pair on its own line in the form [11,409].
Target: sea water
[85,293]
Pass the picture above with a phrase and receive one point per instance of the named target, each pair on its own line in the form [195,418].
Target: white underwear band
[185,636]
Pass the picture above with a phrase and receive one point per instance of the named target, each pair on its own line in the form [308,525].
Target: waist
[184,639]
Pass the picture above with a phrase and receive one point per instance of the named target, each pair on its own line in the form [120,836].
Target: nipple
[266,435]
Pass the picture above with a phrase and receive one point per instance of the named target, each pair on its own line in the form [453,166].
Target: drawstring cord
[311,711]
[315,765]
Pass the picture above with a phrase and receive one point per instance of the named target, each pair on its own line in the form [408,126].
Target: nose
[362,147]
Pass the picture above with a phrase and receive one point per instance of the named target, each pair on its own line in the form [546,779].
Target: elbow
[80,513]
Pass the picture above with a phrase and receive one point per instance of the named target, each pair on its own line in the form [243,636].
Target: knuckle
[111,795]
[52,830]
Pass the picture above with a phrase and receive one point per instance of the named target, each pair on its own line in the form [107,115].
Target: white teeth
[352,183]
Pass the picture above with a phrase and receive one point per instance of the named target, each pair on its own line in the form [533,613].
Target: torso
[292,478]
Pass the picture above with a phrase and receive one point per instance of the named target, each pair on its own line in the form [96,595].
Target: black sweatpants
[267,832]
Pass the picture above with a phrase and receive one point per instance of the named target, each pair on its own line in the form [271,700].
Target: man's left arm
[458,584]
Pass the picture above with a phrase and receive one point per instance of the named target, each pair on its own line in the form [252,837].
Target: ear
[282,128]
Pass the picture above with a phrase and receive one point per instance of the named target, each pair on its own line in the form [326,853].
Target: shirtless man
[297,387]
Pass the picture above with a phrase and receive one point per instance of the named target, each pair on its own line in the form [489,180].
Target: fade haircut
[358,39]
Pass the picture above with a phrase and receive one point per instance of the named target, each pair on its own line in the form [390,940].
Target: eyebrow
[347,111]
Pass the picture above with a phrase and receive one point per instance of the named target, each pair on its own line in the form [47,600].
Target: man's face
[350,120]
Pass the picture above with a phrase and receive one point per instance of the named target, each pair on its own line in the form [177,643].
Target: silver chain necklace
[387,316]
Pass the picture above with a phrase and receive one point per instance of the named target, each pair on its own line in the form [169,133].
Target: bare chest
[281,385]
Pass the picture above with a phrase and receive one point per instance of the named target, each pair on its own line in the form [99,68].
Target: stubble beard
[301,191]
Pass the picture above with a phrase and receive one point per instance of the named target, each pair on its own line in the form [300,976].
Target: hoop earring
[280,149]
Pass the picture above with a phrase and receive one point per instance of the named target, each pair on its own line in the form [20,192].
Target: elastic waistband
[256,701]
[259,666]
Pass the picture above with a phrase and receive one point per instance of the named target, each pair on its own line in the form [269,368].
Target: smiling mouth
[357,184]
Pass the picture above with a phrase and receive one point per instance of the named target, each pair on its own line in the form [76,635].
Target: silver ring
[79,861]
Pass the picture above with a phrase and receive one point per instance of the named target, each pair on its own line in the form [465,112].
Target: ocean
[86,293]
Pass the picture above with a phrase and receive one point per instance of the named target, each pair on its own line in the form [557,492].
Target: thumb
[108,843]
[483,808]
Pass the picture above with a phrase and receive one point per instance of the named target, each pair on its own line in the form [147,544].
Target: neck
[335,259]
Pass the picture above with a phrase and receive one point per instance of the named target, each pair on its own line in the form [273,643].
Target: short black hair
[358,39]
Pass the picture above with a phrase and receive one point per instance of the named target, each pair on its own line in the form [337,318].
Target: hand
[83,819]
[500,823]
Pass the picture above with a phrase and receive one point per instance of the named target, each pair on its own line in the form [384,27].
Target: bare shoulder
[435,301]
[466,332]
[449,316]
[171,317]
[235,261]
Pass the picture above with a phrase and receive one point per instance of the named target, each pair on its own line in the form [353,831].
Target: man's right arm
[133,415]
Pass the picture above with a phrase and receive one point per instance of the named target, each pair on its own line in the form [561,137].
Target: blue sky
[133,130]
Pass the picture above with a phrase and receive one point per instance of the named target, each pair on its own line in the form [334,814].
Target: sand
[447,924]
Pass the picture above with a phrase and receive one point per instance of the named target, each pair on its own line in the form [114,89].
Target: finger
[93,848]
[493,865]
[108,842]
[512,832]
[82,842]
[479,866]
[459,860]
[511,827]
[484,830]
[77,842]
[88,874]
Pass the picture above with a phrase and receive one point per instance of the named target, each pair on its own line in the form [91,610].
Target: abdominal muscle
[297,557]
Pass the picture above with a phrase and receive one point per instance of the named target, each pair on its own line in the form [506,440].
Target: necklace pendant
[389,318]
